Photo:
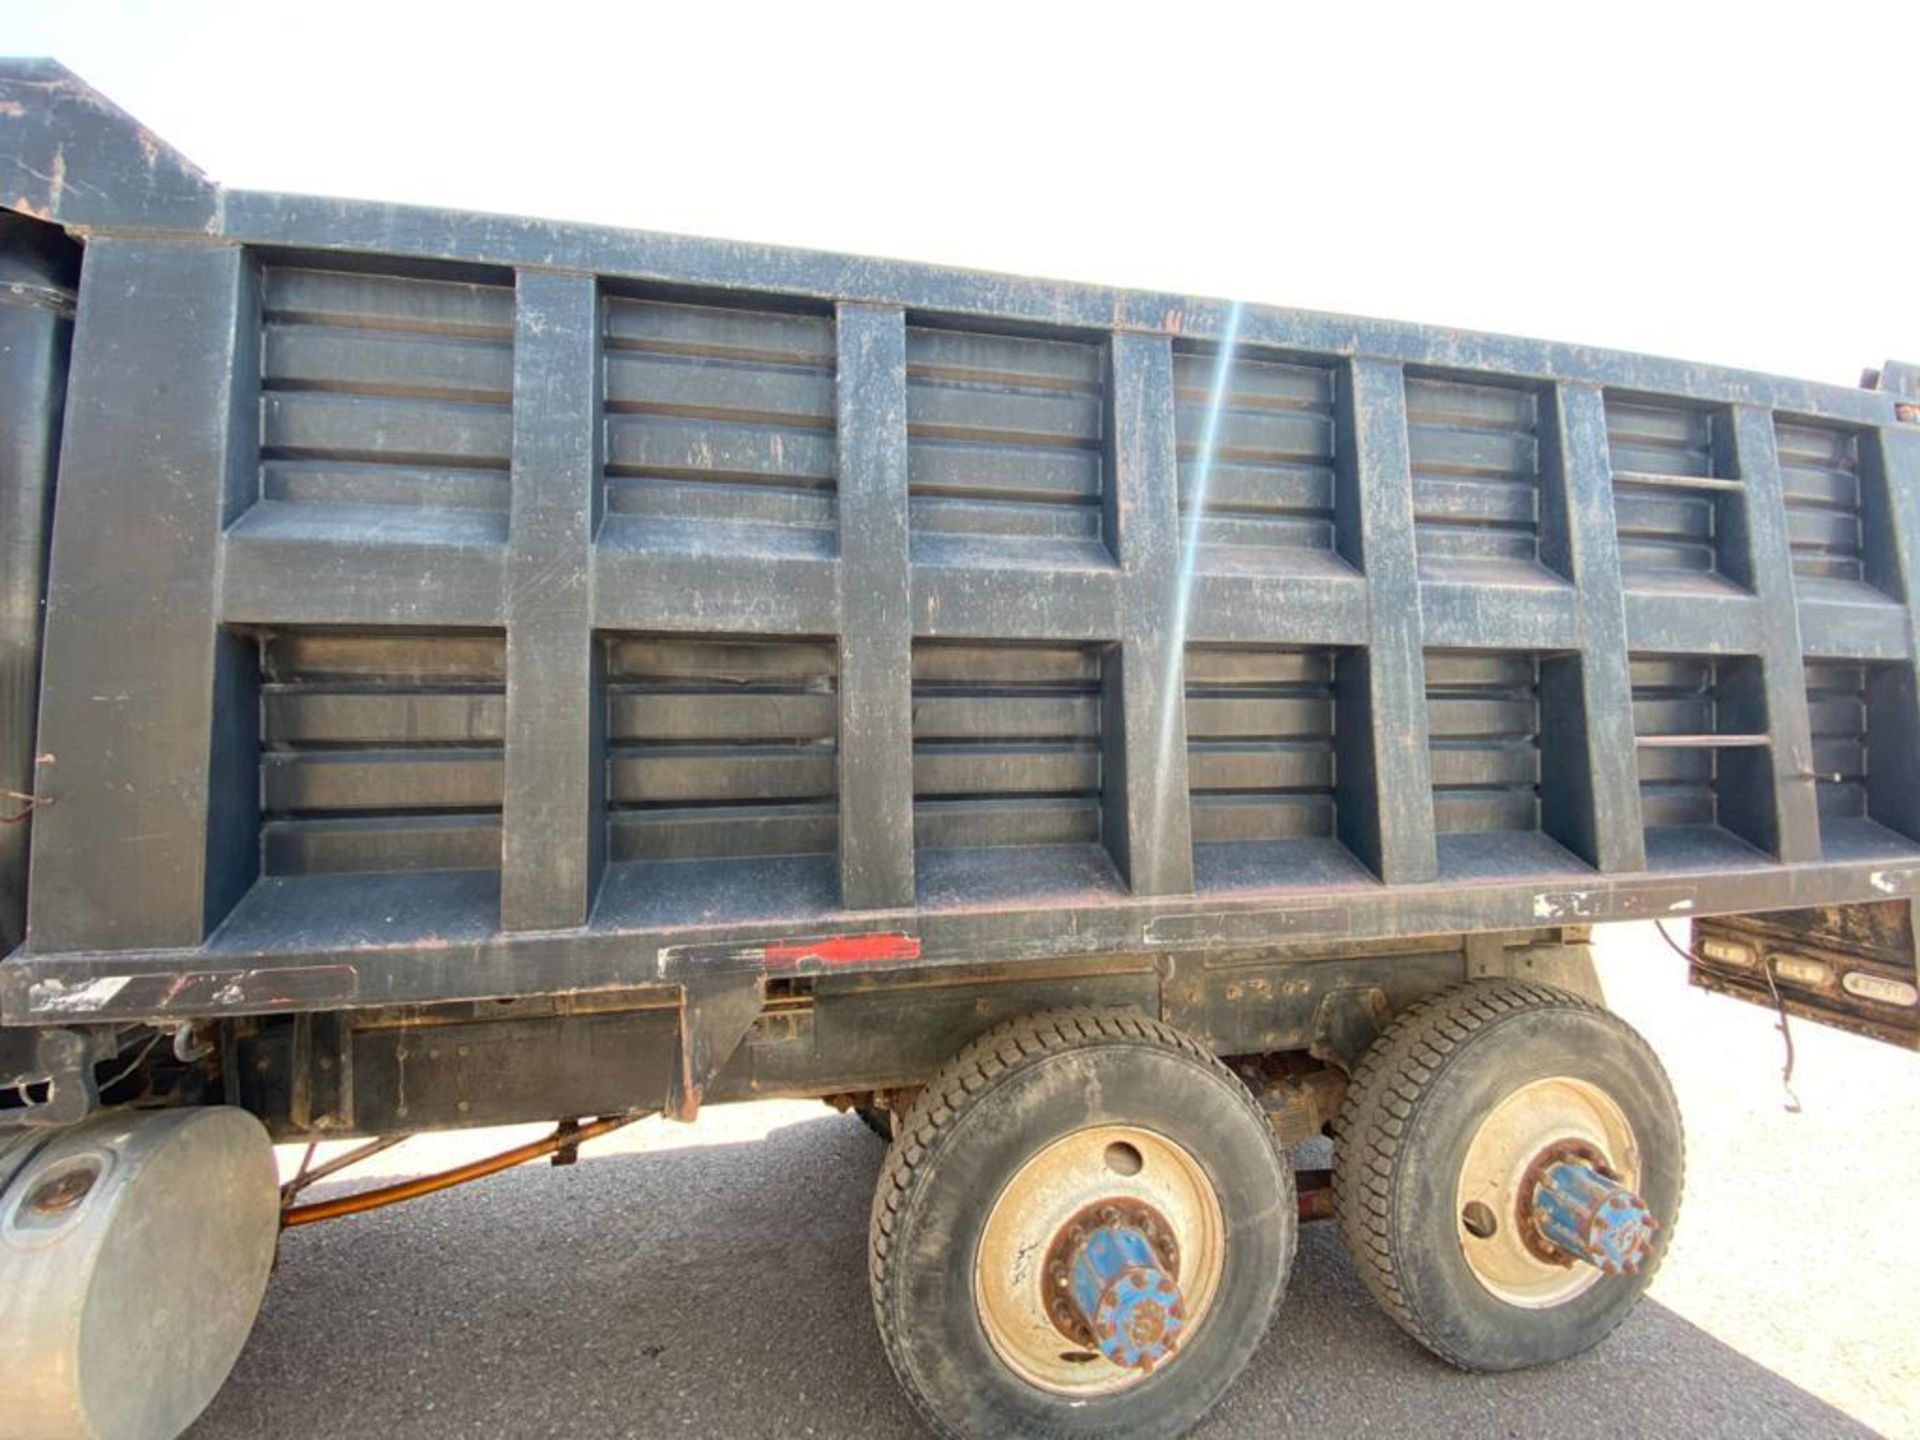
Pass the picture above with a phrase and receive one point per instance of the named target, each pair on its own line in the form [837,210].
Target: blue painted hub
[1593,1218]
[1135,1307]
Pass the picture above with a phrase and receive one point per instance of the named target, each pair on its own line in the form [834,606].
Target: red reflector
[845,949]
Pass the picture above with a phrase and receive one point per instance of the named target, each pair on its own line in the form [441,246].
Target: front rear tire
[1037,1125]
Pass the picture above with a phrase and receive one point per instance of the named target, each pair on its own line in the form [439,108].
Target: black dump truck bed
[445,606]
[458,670]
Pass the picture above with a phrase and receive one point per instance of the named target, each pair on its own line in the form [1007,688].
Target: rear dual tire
[1434,1143]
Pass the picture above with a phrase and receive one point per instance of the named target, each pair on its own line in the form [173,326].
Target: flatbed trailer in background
[459,670]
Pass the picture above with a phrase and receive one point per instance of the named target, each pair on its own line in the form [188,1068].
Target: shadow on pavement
[722,1290]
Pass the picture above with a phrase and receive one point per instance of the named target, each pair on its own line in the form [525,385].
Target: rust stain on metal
[1524,1216]
[1057,1267]
[686,1105]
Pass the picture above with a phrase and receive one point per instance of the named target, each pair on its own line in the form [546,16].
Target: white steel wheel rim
[1534,1120]
[1046,1193]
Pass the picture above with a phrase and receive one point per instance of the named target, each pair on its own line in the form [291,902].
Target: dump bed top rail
[446,606]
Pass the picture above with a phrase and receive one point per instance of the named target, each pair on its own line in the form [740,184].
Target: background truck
[458,670]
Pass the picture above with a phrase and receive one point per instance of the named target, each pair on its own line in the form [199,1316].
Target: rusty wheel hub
[1057,1273]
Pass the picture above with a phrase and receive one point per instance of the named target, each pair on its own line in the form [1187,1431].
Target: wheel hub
[1576,1209]
[1101,1258]
[1111,1283]
[1547,1198]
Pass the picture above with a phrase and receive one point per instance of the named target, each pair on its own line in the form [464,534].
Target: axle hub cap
[1134,1307]
[1583,1213]
[1526,1237]
[1115,1178]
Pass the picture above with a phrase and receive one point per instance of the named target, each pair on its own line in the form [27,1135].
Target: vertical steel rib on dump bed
[1892,458]
[152,837]
[876,600]
[37,266]
[448,606]
[553,819]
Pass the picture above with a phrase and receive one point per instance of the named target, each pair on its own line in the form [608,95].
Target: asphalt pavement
[712,1281]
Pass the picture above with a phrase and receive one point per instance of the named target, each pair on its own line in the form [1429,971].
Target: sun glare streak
[1173,690]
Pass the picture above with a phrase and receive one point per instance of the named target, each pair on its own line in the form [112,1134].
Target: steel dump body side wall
[995,479]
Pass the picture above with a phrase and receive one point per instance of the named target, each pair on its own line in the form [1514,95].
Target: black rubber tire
[879,1121]
[1005,1097]
[1415,1102]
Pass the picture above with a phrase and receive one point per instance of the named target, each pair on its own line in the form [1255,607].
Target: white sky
[1735,183]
